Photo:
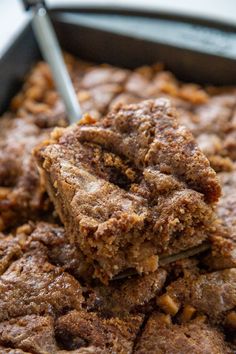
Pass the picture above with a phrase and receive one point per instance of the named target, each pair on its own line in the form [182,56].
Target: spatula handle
[51,52]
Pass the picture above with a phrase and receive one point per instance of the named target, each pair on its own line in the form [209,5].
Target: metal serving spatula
[165,260]
[51,52]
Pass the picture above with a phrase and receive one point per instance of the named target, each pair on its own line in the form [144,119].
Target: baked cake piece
[211,294]
[119,298]
[80,329]
[161,336]
[130,188]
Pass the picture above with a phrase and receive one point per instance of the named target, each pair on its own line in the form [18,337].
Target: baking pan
[193,49]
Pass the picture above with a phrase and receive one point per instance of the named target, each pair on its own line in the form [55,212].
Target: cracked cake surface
[160,336]
[32,285]
[42,307]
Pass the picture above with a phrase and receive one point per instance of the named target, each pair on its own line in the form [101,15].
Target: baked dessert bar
[131,187]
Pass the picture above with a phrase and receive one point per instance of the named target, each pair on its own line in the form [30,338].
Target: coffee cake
[49,301]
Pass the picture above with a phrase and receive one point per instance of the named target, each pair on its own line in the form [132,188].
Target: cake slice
[130,188]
